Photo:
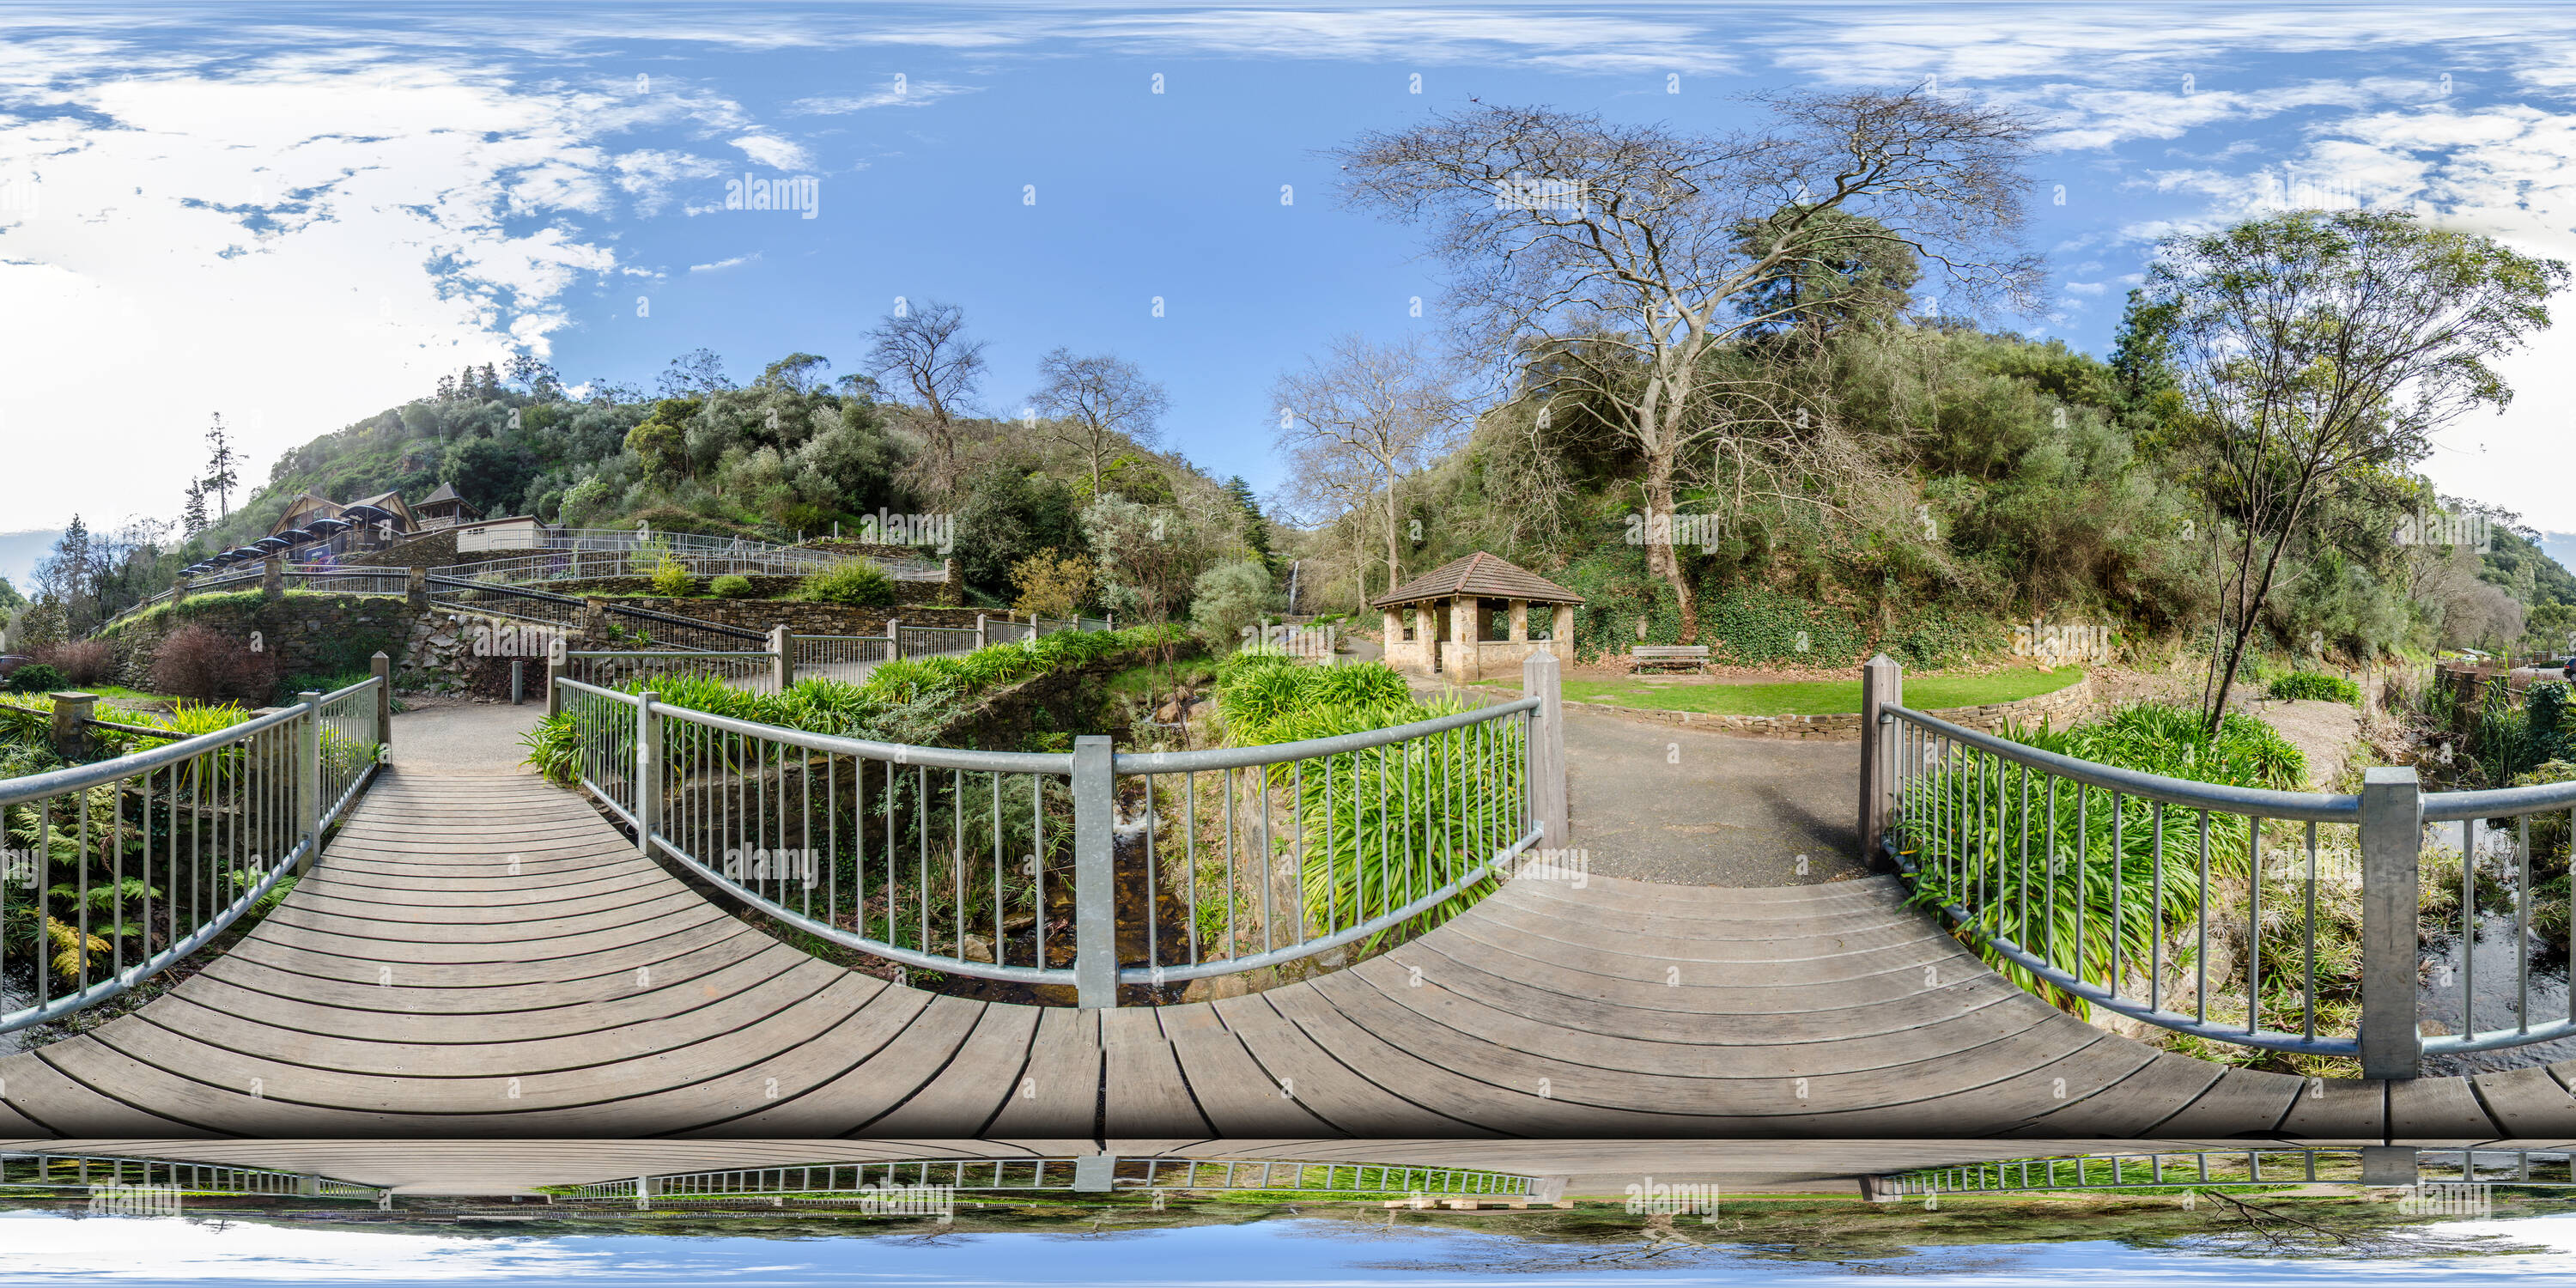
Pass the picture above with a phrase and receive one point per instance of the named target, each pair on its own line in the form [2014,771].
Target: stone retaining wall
[2060,708]
[308,634]
[765,588]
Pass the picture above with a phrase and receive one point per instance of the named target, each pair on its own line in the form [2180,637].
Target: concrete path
[1681,806]
[469,739]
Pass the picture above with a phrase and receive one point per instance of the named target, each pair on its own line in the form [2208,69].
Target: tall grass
[1374,829]
[2060,870]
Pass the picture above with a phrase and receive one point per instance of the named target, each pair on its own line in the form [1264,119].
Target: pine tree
[222,466]
[1256,529]
[192,518]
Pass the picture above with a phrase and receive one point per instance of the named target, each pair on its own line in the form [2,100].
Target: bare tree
[1640,254]
[1328,485]
[1095,404]
[2316,344]
[925,350]
[1392,407]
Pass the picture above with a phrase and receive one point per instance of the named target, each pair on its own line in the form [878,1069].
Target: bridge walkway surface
[484,956]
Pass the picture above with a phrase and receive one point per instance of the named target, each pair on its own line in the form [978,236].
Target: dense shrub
[673,578]
[35,677]
[857,583]
[732,585]
[203,663]
[2303,686]
[80,661]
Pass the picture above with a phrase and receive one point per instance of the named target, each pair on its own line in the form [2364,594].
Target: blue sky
[298,215]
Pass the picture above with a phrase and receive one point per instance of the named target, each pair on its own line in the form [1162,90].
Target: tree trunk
[1394,557]
[1663,559]
[2248,605]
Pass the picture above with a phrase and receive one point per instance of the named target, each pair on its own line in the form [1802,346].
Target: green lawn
[1816,697]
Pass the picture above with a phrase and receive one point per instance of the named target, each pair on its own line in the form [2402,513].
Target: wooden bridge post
[648,772]
[1541,678]
[382,667]
[1095,875]
[308,776]
[2392,842]
[1882,685]
[782,656]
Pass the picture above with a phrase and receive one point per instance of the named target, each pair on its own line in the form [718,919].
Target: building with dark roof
[1471,617]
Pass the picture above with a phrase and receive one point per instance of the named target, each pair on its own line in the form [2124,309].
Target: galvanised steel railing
[1008,631]
[839,657]
[1010,865]
[2193,1168]
[612,669]
[1095,1173]
[604,552]
[924,641]
[118,869]
[2118,887]
[50,1170]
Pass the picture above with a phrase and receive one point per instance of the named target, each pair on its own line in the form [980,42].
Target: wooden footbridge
[487,957]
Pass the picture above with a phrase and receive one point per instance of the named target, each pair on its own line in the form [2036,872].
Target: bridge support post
[2392,842]
[1095,875]
[382,667]
[2388,1165]
[1542,678]
[782,656]
[1882,685]
[648,772]
[72,713]
[308,776]
[555,666]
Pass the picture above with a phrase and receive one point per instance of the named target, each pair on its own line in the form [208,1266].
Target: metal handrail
[262,793]
[2311,807]
[1942,801]
[721,795]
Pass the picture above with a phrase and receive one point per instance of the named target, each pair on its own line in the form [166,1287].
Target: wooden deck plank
[962,1097]
[1059,1087]
[1142,1091]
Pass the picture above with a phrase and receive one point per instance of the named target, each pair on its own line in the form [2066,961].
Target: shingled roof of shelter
[1480,574]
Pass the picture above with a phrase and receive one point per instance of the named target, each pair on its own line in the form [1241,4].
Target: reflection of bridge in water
[489,957]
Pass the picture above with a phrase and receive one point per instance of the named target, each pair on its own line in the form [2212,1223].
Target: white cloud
[290,240]
[751,258]
[911,94]
[774,152]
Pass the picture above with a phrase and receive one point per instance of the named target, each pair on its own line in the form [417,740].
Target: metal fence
[2191,1168]
[974,862]
[563,554]
[46,1170]
[2197,907]
[923,641]
[838,657]
[1096,1173]
[125,866]
[754,671]
[1008,631]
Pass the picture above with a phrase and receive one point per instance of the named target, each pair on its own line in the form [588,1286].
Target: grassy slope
[1817,697]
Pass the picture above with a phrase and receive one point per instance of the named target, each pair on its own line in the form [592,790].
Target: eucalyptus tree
[2313,347]
[1637,253]
[926,351]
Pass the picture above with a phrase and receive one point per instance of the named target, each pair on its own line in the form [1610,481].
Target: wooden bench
[1691,655]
